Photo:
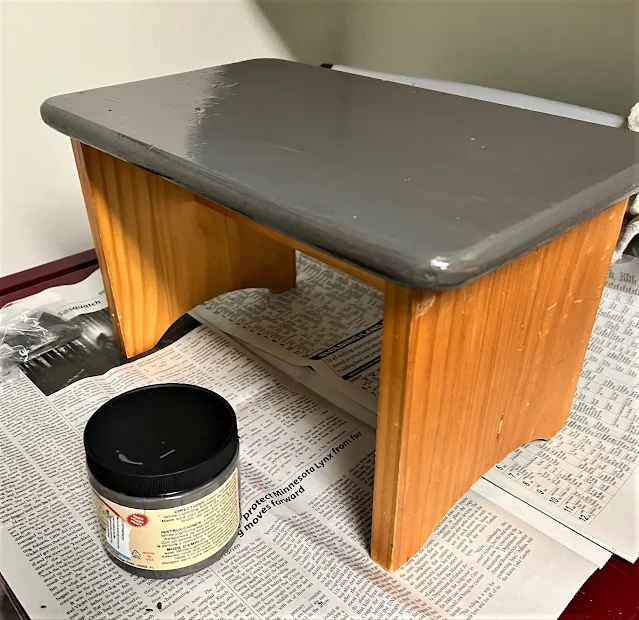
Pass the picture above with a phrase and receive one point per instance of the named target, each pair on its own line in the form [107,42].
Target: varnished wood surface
[162,253]
[246,222]
[470,374]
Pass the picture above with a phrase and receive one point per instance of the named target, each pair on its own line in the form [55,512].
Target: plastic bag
[26,334]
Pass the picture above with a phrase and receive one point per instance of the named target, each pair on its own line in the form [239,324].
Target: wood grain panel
[470,374]
[162,253]
[348,268]
[257,260]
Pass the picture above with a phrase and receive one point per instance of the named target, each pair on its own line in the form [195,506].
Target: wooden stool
[490,230]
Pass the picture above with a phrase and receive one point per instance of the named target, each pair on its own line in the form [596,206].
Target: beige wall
[584,52]
[61,46]
[577,51]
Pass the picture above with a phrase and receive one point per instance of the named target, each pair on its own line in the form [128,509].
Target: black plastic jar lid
[161,439]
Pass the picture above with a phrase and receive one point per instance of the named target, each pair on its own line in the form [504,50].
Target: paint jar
[163,464]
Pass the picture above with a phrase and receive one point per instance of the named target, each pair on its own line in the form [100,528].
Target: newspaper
[330,322]
[307,471]
[586,476]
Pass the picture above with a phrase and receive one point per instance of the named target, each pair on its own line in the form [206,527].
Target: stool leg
[470,374]
[162,253]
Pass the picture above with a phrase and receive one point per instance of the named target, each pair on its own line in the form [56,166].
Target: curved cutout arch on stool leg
[161,252]
[469,374]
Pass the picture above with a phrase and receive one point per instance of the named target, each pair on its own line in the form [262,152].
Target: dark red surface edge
[612,592]
[67,270]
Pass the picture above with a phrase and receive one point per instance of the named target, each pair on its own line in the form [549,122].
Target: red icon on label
[137,520]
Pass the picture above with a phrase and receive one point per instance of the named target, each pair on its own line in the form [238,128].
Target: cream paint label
[172,537]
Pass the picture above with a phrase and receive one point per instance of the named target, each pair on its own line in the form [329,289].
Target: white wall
[54,47]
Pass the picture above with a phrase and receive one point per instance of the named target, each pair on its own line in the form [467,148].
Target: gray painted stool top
[424,188]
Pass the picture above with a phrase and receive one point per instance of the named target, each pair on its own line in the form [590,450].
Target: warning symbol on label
[137,520]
